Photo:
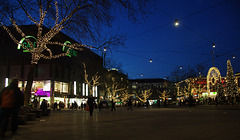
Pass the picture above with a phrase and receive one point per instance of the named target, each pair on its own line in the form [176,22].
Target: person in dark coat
[75,105]
[43,106]
[158,103]
[130,104]
[147,103]
[55,106]
[91,103]
[7,112]
[113,106]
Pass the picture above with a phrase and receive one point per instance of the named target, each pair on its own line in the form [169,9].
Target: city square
[200,122]
[119,69]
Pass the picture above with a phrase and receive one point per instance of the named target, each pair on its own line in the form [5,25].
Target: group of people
[11,99]
[58,106]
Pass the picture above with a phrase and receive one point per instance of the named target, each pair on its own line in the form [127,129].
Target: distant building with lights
[203,87]
[62,77]
[158,87]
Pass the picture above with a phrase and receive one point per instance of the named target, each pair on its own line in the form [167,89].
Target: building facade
[159,89]
[61,78]
[204,88]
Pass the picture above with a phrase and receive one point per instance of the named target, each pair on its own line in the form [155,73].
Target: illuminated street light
[213,45]
[141,75]
[104,55]
[150,60]
[180,67]
[213,57]
[233,56]
[176,22]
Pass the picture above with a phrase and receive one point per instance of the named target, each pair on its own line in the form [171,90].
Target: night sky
[201,23]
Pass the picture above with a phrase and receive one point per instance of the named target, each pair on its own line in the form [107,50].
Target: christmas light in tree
[231,88]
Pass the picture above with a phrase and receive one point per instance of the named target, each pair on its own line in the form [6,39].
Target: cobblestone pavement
[206,123]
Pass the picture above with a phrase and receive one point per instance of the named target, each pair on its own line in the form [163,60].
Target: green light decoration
[26,45]
[71,51]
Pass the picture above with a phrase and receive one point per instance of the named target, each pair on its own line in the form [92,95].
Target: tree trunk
[27,92]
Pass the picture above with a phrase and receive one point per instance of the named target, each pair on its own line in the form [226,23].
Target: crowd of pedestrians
[11,99]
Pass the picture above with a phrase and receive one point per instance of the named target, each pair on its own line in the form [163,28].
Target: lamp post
[213,46]
[104,55]
[233,56]
[213,58]
[176,22]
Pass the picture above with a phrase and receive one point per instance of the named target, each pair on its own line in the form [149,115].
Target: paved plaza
[200,122]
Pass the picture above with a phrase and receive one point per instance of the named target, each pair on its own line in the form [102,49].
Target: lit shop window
[61,87]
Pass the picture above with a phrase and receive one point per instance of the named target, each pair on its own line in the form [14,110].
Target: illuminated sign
[40,92]
[211,94]
[26,46]
[71,51]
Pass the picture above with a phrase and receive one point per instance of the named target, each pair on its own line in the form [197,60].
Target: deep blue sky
[202,22]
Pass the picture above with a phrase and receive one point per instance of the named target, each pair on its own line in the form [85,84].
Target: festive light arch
[212,77]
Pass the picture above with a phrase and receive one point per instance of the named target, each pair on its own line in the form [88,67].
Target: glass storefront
[60,87]
[42,90]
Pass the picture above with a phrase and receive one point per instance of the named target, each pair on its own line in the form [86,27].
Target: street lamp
[104,55]
[213,46]
[180,67]
[150,60]
[176,22]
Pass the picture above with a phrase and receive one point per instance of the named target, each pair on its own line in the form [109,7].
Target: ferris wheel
[212,77]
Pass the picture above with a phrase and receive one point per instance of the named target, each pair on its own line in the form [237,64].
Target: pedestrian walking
[44,107]
[113,106]
[165,102]
[11,99]
[61,105]
[158,103]
[147,103]
[130,104]
[75,105]
[55,105]
[35,103]
[100,105]
[82,106]
[91,103]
